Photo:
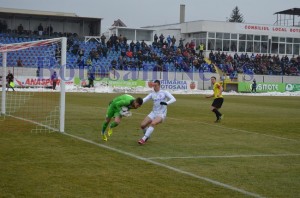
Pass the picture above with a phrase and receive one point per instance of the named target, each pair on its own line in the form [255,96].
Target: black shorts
[217,102]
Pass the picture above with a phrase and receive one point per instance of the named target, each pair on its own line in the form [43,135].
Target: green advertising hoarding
[113,83]
[261,87]
[125,83]
[292,87]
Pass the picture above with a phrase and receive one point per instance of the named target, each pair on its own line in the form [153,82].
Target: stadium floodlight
[34,99]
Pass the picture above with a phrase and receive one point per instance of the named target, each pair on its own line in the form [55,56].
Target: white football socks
[145,129]
[148,133]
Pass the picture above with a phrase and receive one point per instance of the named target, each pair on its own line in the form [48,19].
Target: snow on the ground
[106,89]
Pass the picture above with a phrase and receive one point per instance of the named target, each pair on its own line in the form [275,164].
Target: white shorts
[153,115]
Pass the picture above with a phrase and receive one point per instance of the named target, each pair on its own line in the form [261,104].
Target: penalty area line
[217,183]
[225,156]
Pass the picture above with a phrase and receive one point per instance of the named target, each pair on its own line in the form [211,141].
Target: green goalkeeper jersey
[117,103]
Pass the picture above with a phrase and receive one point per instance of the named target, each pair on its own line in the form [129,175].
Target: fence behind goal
[31,95]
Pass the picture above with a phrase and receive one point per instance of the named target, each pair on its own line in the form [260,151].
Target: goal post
[63,86]
[37,102]
[3,99]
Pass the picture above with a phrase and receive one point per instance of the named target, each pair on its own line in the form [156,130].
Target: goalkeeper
[119,107]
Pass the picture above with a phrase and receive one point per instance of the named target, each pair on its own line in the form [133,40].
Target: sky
[140,13]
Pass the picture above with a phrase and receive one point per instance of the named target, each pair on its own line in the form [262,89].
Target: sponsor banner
[111,83]
[26,81]
[261,87]
[126,83]
[292,87]
[175,85]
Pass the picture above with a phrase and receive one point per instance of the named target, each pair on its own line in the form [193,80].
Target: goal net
[32,84]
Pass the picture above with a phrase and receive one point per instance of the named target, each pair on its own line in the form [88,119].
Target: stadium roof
[20,12]
[292,11]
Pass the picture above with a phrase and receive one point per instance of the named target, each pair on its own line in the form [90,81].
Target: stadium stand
[159,56]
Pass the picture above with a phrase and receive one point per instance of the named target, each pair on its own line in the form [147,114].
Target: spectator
[19,62]
[94,54]
[104,51]
[173,40]
[103,39]
[132,45]
[20,29]
[38,72]
[91,79]
[114,64]
[88,62]
[124,40]
[201,49]
[75,49]
[54,80]
[254,86]
[129,54]
[80,62]
[40,29]
[181,43]
[81,52]
[91,27]
[169,39]
[161,38]
[49,30]
[138,46]
[57,53]
[143,45]
[155,38]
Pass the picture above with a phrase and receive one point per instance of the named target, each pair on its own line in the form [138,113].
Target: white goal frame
[4,48]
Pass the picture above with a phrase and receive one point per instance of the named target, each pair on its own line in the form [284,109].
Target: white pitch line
[225,156]
[228,128]
[167,167]
[34,122]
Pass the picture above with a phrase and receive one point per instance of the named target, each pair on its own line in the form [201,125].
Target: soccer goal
[33,83]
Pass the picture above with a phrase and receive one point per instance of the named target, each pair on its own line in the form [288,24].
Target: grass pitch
[254,152]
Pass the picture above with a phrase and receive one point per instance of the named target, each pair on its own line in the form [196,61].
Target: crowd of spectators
[264,64]
[166,55]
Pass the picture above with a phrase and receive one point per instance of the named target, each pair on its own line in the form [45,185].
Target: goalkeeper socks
[148,133]
[104,126]
[113,125]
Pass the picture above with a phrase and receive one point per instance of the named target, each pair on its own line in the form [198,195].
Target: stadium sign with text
[177,85]
[262,87]
[30,81]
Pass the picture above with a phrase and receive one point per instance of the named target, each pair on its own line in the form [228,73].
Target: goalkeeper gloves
[163,103]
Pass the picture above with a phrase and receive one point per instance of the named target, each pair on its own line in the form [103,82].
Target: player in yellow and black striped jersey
[218,98]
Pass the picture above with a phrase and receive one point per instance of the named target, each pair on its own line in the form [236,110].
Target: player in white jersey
[161,99]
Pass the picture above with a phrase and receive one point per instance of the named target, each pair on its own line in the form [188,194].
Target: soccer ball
[125,112]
